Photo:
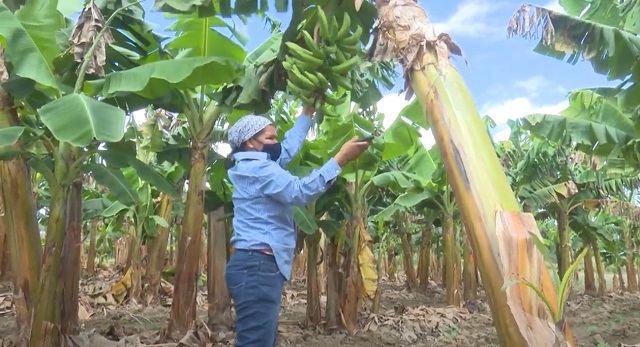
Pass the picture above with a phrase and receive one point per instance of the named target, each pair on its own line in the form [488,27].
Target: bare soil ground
[406,319]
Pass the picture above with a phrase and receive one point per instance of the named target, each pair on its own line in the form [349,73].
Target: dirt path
[406,319]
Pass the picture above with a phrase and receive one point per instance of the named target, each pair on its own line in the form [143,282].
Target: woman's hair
[229,161]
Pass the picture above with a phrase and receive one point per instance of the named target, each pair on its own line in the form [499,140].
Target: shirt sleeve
[294,139]
[292,190]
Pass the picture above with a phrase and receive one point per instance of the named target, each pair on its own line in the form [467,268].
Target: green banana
[311,45]
[304,54]
[335,27]
[341,57]
[300,80]
[312,78]
[308,67]
[306,99]
[344,29]
[302,65]
[324,24]
[323,81]
[354,38]
[298,92]
[340,81]
[308,63]
[330,49]
[351,50]
[346,66]
[333,100]
[287,65]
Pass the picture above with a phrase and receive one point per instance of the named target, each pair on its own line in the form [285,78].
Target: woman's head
[248,131]
[255,133]
[266,136]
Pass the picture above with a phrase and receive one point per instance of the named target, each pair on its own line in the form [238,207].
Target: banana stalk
[18,215]
[497,230]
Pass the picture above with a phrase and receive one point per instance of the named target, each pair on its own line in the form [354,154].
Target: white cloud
[536,84]
[533,85]
[517,108]
[391,105]
[472,19]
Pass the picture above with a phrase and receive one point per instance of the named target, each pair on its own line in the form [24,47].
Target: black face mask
[273,150]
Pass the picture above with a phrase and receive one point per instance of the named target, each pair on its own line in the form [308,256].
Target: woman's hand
[308,110]
[351,150]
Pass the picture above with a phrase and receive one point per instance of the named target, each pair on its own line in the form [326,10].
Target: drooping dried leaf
[84,35]
[4,74]
[404,32]
[110,295]
[368,271]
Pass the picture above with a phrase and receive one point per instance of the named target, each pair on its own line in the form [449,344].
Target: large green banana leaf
[29,38]
[611,48]
[156,79]
[594,122]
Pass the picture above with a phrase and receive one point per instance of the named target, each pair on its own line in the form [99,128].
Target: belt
[265,251]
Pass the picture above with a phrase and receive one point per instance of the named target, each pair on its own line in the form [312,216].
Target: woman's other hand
[351,150]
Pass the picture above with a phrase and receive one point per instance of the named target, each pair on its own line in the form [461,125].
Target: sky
[506,78]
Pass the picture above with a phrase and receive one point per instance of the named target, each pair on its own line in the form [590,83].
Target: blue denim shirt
[265,194]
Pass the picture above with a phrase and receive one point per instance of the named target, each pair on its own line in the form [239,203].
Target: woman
[264,233]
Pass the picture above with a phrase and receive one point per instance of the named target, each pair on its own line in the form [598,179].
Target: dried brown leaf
[527,22]
[404,32]
[85,33]
[196,337]
[4,74]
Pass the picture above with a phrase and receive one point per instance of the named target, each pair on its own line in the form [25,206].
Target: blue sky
[506,78]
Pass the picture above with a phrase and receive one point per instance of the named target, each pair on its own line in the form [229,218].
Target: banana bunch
[319,73]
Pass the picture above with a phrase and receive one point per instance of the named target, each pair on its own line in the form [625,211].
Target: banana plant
[185,80]
[601,117]
[41,87]
[135,183]
[495,225]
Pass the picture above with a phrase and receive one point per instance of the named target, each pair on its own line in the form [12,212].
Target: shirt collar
[251,155]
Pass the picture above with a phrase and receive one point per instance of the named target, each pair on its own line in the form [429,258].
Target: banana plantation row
[155,197]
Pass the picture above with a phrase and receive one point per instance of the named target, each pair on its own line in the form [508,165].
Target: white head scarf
[246,128]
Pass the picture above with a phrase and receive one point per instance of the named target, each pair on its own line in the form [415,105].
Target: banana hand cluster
[318,71]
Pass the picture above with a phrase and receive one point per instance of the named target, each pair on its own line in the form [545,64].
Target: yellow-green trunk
[469,159]
[497,230]
[71,261]
[183,307]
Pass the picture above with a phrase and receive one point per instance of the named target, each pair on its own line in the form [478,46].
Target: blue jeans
[255,284]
